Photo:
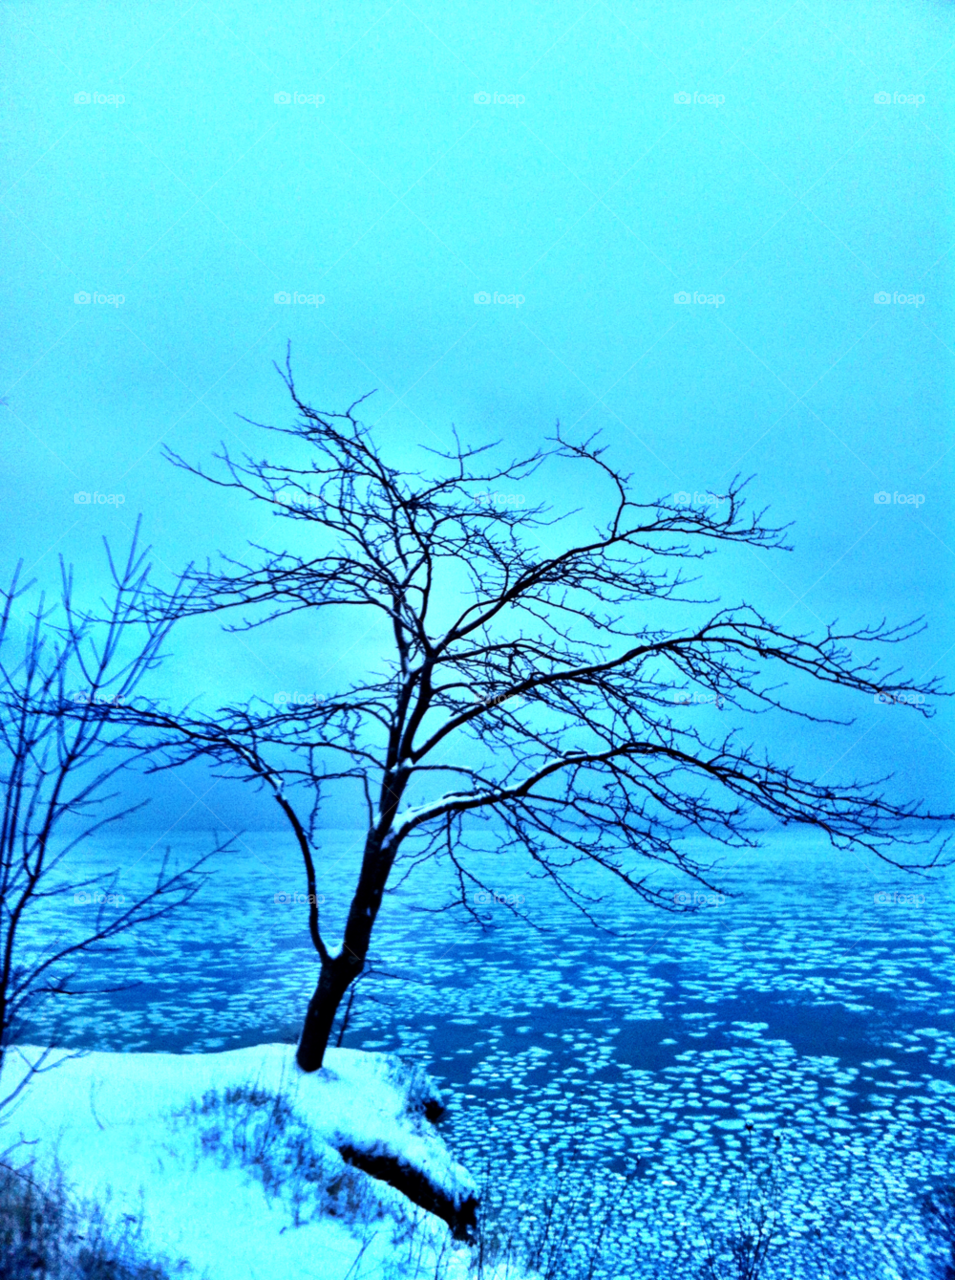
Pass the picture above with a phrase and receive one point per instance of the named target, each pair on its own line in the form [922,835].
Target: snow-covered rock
[116,1123]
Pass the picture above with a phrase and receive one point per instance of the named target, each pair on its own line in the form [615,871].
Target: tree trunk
[339,972]
[334,980]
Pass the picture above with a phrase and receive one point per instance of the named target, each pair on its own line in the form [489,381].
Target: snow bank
[109,1117]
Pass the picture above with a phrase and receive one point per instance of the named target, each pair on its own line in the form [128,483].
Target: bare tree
[62,764]
[519,683]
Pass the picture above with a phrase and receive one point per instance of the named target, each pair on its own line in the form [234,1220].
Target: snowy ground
[116,1123]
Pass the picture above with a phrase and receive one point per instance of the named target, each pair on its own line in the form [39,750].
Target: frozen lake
[817,1006]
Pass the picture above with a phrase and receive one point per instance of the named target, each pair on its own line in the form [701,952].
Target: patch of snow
[405,816]
[109,1118]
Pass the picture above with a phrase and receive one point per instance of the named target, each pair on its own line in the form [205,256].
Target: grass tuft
[260,1131]
[46,1233]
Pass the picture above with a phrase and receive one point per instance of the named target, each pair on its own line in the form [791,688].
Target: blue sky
[792,162]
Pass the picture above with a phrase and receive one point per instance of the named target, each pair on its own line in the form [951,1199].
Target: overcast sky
[388,166]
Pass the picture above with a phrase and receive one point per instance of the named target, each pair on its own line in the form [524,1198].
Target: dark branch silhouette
[63,756]
[524,681]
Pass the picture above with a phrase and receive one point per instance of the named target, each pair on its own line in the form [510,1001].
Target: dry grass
[47,1233]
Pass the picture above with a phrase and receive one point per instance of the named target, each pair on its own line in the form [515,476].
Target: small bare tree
[740,1249]
[62,758]
[519,683]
